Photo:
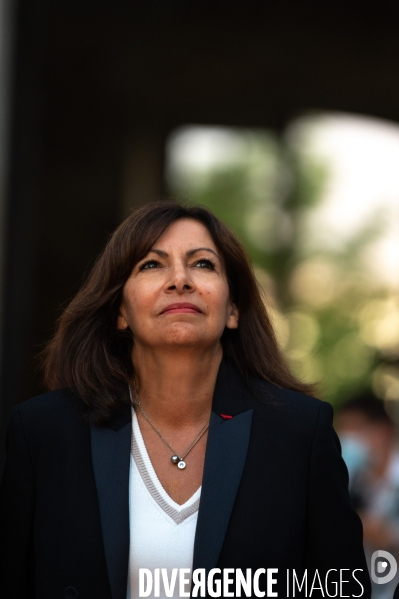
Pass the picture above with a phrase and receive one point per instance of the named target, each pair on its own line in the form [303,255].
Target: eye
[149,264]
[205,263]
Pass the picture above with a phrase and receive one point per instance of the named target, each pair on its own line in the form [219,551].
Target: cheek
[139,301]
[217,298]
[130,304]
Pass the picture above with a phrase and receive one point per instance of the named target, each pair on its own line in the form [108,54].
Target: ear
[121,323]
[232,319]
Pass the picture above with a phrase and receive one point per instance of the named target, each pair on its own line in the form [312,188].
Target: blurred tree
[317,298]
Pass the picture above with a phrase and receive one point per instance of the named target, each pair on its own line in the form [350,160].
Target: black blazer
[274,495]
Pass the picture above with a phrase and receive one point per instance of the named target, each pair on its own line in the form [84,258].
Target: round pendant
[175,459]
[181,465]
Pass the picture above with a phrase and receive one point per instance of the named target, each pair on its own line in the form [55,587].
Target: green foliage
[265,196]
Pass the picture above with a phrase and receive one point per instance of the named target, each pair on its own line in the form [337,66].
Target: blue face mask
[356,454]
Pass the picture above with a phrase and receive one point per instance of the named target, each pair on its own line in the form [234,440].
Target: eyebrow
[188,253]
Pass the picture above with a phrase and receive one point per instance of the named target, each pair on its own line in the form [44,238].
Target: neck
[176,388]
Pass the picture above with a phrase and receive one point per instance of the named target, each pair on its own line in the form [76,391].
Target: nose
[180,280]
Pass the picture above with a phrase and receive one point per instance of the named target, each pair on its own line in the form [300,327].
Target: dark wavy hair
[92,357]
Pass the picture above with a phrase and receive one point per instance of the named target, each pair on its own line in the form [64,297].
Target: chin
[185,335]
[181,333]
[187,340]
[184,341]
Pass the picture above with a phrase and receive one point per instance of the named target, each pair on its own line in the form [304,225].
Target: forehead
[187,233]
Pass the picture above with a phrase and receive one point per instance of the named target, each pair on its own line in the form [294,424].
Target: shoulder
[48,413]
[281,409]
[52,403]
[289,409]
[267,394]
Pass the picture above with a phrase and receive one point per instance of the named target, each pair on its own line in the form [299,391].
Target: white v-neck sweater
[161,531]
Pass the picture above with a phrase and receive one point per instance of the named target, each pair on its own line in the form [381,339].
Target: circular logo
[383,567]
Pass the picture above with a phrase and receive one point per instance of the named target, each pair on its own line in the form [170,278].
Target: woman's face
[178,294]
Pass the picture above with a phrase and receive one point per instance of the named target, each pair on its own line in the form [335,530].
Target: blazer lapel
[110,446]
[226,451]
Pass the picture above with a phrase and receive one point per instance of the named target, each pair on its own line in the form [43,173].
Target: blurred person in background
[371,452]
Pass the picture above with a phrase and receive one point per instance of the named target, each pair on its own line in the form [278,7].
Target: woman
[170,332]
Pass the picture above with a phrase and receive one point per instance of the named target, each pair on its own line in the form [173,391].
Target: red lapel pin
[226,416]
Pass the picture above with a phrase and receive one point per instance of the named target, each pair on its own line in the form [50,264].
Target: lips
[182,307]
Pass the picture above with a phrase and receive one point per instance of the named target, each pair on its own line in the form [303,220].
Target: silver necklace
[176,459]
